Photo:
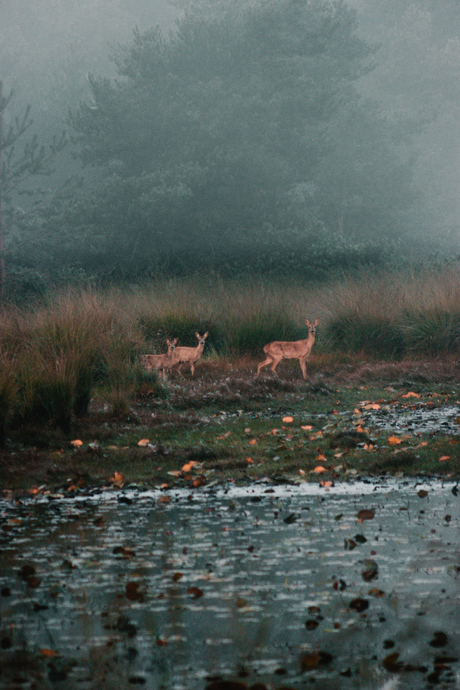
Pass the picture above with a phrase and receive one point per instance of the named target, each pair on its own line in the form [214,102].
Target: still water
[351,586]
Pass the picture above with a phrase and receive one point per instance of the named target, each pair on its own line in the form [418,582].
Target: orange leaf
[49,653]
[394,440]
[320,457]
[315,436]
[319,469]
[253,442]
[444,458]
[287,420]
[250,461]
[307,427]
[143,442]
[77,443]
[410,395]
[117,479]
[301,471]
[164,499]
[326,484]
[188,466]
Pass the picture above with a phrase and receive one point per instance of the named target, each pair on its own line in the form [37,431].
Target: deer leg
[276,361]
[303,367]
[192,368]
[265,363]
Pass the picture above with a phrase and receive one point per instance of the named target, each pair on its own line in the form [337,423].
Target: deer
[190,355]
[297,349]
[160,362]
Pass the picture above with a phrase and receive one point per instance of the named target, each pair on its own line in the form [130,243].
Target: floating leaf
[177,576]
[240,603]
[164,500]
[374,592]
[48,653]
[389,663]
[371,571]
[292,517]
[195,592]
[311,624]
[117,479]
[422,493]
[439,640]
[359,605]
[366,514]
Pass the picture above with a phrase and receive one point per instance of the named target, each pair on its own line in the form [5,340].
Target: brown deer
[190,355]
[298,349]
[160,362]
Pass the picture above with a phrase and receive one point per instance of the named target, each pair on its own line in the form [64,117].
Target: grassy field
[385,346]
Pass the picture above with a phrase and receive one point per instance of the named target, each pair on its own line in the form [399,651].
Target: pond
[350,586]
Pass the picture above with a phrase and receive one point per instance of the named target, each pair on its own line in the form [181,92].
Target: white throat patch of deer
[162,362]
[296,349]
[189,355]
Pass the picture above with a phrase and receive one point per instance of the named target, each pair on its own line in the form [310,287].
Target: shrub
[371,335]
[432,332]
[248,337]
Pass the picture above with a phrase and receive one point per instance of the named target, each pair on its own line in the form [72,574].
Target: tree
[17,174]
[218,142]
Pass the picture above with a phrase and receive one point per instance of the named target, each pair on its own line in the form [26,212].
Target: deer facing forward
[297,349]
[160,362]
[189,355]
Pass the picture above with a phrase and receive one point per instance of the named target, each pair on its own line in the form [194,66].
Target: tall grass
[56,356]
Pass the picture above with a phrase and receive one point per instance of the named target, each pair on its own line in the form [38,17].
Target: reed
[57,355]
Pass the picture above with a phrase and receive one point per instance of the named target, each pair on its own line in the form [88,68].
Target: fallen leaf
[287,420]
[422,493]
[319,469]
[366,514]
[250,461]
[175,473]
[308,427]
[77,443]
[188,466]
[49,653]
[315,436]
[195,592]
[394,440]
[443,458]
[252,442]
[326,484]
[410,395]
[143,442]
[164,499]
[359,605]
[389,663]
[372,406]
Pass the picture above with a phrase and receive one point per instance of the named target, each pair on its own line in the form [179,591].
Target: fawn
[160,362]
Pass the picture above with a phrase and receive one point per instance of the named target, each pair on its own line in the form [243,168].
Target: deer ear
[197,335]
[316,322]
[308,323]
[174,341]
[205,335]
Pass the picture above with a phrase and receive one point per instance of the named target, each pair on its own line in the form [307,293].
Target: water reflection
[272,585]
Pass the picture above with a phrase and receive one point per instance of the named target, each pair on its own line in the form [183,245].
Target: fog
[241,124]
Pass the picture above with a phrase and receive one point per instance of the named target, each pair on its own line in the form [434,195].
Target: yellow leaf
[394,440]
[143,442]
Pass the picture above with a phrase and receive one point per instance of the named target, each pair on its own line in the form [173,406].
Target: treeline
[250,140]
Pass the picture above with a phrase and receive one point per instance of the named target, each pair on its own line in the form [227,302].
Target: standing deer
[298,349]
[160,362]
[191,355]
